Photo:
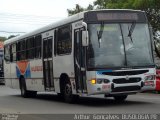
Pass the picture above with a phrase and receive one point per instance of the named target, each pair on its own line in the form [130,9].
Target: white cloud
[20,15]
[53,8]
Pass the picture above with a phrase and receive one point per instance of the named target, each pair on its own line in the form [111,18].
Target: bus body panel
[63,65]
[36,79]
[8,80]
[15,80]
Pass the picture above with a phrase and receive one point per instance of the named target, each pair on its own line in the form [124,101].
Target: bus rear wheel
[24,92]
[120,98]
[23,88]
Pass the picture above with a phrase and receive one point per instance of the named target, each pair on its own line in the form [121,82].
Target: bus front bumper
[112,89]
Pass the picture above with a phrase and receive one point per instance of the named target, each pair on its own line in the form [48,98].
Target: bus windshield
[120,45]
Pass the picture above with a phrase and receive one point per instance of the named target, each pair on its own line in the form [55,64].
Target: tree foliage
[11,36]
[3,38]
[75,10]
[151,7]
[78,9]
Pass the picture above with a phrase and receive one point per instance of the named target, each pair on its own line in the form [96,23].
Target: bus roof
[70,19]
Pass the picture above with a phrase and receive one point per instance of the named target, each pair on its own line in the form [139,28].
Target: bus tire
[68,96]
[60,96]
[24,92]
[120,98]
[32,94]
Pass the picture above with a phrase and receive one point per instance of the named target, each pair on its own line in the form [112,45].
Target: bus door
[48,63]
[7,66]
[79,59]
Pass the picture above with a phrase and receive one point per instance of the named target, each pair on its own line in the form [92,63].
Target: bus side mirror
[84,38]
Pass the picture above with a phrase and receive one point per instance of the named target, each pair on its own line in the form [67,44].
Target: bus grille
[127,88]
[124,80]
[124,73]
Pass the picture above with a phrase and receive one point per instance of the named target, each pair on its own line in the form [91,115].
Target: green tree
[75,10]
[12,36]
[78,9]
[113,4]
[3,38]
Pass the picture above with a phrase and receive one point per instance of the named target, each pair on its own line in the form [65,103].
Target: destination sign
[117,16]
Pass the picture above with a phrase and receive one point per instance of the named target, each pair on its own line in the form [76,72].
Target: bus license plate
[105,87]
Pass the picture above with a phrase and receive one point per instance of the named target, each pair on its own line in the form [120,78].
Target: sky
[23,16]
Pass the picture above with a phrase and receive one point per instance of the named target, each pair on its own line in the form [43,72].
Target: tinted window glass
[64,41]
[7,53]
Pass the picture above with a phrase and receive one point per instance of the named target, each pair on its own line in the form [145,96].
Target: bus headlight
[106,81]
[93,81]
[102,80]
[149,77]
[99,81]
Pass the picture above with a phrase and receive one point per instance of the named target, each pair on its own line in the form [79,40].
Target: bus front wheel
[68,96]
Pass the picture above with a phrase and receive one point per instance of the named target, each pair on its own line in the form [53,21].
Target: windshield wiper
[100,32]
[131,29]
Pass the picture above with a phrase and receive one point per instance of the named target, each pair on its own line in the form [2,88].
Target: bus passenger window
[38,43]
[13,52]
[7,53]
[50,48]
[64,40]
[30,51]
[21,50]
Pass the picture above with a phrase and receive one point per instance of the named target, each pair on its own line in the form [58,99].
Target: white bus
[94,52]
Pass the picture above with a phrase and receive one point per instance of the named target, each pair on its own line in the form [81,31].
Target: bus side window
[21,50]
[55,42]
[27,48]
[64,40]
[38,43]
[18,49]
[50,49]
[13,52]
[30,52]
[7,53]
